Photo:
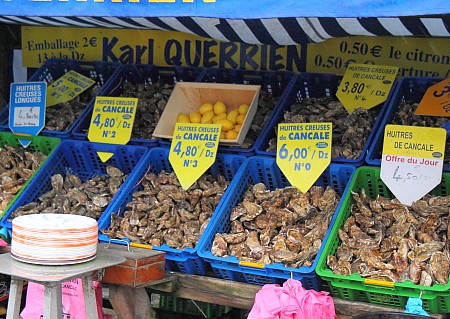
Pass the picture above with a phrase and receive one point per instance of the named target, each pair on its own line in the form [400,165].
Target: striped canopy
[255,22]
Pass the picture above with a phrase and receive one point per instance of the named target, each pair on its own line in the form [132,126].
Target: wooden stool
[51,277]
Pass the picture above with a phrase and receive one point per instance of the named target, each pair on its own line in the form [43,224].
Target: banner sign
[152,47]
[413,56]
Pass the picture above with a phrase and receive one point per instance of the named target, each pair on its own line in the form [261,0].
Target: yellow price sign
[67,87]
[112,121]
[412,160]
[304,152]
[436,100]
[365,85]
[193,150]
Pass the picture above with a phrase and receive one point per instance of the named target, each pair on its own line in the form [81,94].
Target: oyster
[401,243]
[16,167]
[71,196]
[61,116]
[282,226]
[165,213]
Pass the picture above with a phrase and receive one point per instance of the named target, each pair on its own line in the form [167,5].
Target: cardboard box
[142,266]
[188,96]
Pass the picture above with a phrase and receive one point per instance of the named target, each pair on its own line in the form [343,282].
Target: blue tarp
[227,9]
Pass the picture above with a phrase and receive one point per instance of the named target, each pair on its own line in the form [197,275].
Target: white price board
[412,160]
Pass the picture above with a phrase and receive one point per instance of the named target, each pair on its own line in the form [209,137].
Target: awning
[255,22]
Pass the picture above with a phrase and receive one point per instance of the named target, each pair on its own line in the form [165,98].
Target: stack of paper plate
[54,239]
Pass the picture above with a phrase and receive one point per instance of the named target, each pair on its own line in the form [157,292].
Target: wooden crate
[188,96]
[142,266]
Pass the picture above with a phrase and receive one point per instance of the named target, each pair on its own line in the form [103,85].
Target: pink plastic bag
[73,306]
[291,301]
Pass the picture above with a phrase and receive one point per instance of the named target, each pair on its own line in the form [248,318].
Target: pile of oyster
[386,240]
[284,225]
[162,212]
[350,131]
[152,100]
[61,116]
[69,195]
[16,167]
[405,116]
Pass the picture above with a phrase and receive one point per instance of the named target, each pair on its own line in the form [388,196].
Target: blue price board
[27,109]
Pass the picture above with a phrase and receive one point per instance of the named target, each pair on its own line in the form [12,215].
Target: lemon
[221,116]
[226,125]
[243,108]
[232,116]
[231,135]
[240,119]
[220,107]
[237,127]
[207,117]
[195,117]
[183,118]
[205,107]
[223,135]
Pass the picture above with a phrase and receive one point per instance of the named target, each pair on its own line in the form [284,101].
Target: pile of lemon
[216,113]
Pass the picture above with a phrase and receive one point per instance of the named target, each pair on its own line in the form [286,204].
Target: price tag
[112,121]
[436,100]
[304,152]
[193,150]
[27,109]
[412,160]
[67,87]
[365,85]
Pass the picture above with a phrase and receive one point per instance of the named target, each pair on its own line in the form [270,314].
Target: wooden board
[241,295]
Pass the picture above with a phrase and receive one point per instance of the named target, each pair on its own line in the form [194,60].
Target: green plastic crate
[41,144]
[436,299]
[187,306]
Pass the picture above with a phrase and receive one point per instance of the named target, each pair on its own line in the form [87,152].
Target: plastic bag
[291,301]
[73,306]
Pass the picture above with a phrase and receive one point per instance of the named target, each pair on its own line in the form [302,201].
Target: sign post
[27,109]
[412,160]
[193,150]
[304,152]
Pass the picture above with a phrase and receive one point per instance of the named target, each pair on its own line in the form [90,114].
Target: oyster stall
[244,223]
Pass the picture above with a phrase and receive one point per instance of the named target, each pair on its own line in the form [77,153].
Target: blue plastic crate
[183,260]
[52,70]
[141,74]
[311,85]
[275,83]
[408,89]
[79,158]
[262,169]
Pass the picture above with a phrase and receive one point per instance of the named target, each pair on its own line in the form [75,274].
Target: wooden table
[51,277]
[222,292]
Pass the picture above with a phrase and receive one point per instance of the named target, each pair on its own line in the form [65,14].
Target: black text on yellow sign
[365,85]
[304,152]
[112,121]
[67,87]
[193,150]
[412,160]
[414,56]
[152,47]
